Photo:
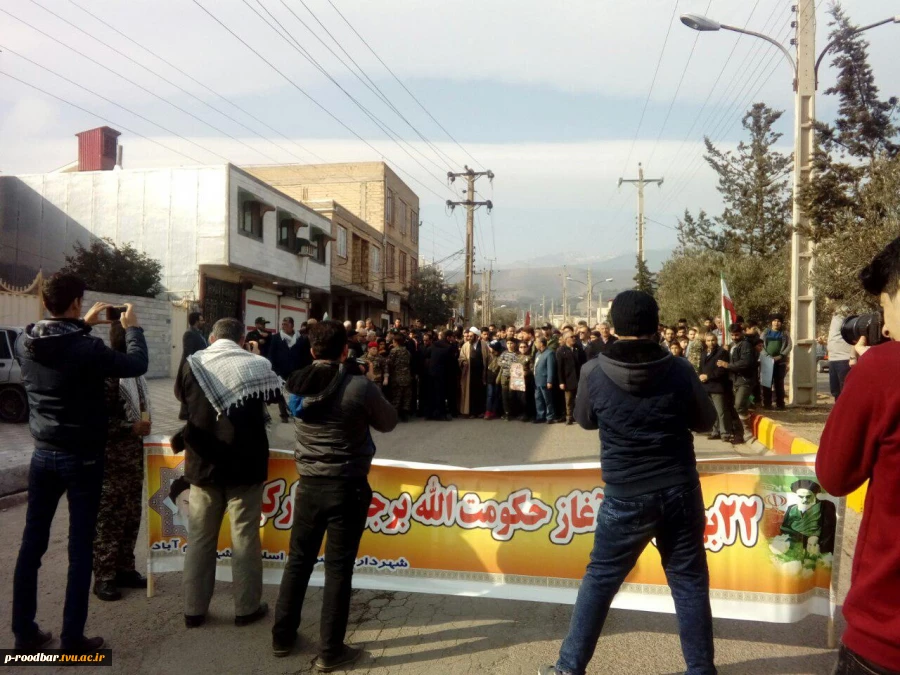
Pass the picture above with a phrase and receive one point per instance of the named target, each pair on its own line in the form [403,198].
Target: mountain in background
[526,281]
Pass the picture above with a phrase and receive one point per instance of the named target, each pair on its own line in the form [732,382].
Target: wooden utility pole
[640,181]
[471,205]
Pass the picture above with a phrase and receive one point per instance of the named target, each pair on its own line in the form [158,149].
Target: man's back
[63,369]
[645,403]
[334,410]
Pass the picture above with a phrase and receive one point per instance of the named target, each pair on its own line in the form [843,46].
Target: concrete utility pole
[802,371]
[590,292]
[470,205]
[640,181]
[543,308]
[565,307]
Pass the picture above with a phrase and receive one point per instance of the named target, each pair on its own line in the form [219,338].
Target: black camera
[864,325]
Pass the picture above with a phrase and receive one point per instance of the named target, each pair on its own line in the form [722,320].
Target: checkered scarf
[135,393]
[229,375]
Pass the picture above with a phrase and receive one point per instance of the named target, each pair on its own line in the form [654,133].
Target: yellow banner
[525,532]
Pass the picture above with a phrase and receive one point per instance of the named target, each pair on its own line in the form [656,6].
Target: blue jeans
[676,517]
[543,401]
[837,373]
[51,475]
[493,399]
[851,663]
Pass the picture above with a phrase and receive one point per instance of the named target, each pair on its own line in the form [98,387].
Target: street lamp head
[700,23]
[609,279]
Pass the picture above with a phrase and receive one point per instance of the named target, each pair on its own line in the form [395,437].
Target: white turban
[475,331]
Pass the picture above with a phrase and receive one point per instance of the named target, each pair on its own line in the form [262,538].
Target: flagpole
[723,311]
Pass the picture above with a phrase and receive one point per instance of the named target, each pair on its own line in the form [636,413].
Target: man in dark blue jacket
[645,402]
[64,370]
[288,352]
[544,382]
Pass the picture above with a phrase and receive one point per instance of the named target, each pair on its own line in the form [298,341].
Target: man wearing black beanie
[645,402]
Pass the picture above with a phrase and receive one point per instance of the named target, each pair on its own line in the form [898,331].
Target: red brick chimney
[97,149]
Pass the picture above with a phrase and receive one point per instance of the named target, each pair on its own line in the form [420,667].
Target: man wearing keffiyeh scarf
[226,390]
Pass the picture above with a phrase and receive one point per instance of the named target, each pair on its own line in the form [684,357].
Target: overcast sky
[548,95]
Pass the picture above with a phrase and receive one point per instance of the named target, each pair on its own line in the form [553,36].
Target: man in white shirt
[839,353]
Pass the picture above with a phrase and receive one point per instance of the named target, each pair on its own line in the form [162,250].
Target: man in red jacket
[861,442]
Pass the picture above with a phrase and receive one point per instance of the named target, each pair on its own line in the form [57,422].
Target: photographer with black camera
[861,442]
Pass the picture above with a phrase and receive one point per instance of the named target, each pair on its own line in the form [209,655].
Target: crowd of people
[646,387]
[531,374]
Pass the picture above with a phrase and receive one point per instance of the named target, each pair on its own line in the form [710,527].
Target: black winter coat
[65,380]
[718,381]
[744,362]
[568,366]
[597,347]
[645,402]
[225,451]
[287,360]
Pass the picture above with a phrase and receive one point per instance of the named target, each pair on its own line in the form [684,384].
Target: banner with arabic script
[526,532]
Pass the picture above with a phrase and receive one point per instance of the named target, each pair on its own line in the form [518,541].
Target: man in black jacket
[289,352]
[569,359]
[226,462]
[64,370]
[718,385]
[645,403]
[334,409]
[744,369]
[191,342]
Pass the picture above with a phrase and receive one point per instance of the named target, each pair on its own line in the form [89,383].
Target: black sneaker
[85,645]
[247,619]
[346,657]
[36,642]
[106,590]
[552,421]
[194,620]
[130,579]
[714,437]
[283,646]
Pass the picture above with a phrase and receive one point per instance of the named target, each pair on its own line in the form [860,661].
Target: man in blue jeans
[64,370]
[544,382]
[645,403]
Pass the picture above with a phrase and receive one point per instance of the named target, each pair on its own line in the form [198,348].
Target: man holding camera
[334,407]
[861,442]
[64,369]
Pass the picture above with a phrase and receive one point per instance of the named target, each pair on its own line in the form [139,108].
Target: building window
[287,235]
[251,219]
[402,267]
[414,226]
[403,216]
[390,262]
[321,249]
[413,267]
[376,263]
[342,241]
[389,207]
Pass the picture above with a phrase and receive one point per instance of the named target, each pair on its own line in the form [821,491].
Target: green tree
[753,182]
[859,233]
[431,299]
[644,279]
[690,287]
[851,197]
[108,268]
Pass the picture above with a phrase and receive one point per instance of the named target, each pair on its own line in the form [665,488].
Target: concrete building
[357,280]
[374,193]
[226,240]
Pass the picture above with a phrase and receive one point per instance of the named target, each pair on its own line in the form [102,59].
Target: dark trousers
[437,402]
[509,402]
[736,400]
[53,474]
[570,404]
[337,507]
[119,516]
[676,517]
[851,663]
[778,375]
[493,399]
[837,373]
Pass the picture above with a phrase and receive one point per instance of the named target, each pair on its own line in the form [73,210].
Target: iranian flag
[729,315]
[527,318]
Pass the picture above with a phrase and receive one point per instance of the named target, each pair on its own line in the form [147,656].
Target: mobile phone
[115,313]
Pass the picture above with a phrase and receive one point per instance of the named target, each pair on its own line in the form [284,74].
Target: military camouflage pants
[401,397]
[120,508]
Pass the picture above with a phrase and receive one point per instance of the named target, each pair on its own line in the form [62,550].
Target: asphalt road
[413,633]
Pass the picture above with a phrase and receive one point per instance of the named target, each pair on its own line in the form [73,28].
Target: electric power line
[400,82]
